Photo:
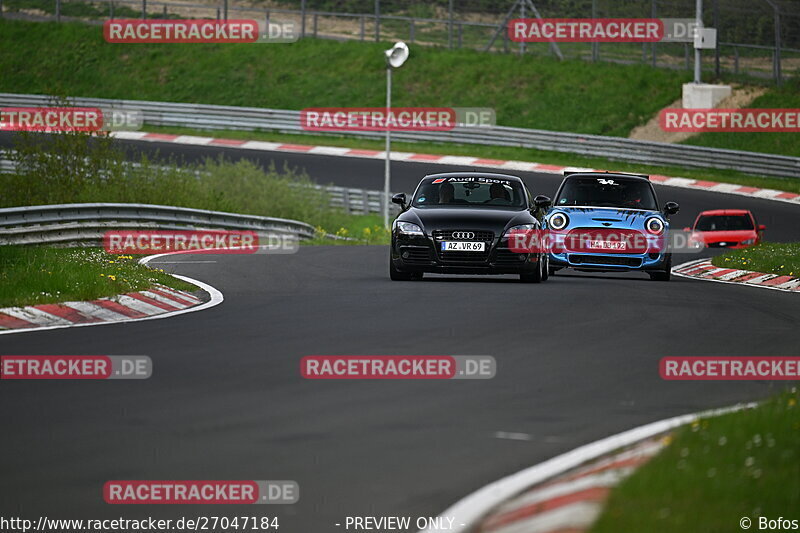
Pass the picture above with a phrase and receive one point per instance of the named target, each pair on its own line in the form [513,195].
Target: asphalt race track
[779,217]
[577,360]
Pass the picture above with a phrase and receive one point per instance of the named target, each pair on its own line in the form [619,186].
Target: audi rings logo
[464,235]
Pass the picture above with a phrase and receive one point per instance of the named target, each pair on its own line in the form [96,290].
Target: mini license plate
[607,245]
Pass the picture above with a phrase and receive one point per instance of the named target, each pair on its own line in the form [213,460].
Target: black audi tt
[458,223]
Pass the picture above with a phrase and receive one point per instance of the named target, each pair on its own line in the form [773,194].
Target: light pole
[395,57]
[698,58]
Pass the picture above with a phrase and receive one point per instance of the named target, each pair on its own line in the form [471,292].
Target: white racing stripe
[609,478]
[128,135]
[760,279]
[138,305]
[261,145]
[94,310]
[164,299]
[329,150]
[733,275]
[789,285]
[36,316]
[579,515]
[191,139]
[180,294]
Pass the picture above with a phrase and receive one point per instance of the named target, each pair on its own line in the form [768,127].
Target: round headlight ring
[558,221]
[654,226]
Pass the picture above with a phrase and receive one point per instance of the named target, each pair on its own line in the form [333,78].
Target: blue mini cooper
[609,222]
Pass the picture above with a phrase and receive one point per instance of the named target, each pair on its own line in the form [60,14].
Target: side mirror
[761,227]
[400,199]
[671,208]
[687,228]
[542,201]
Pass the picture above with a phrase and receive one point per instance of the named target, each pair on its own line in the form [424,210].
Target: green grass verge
[32,275]
[715,472]
[768,257]
[497,152]
[356,229]
[787,97]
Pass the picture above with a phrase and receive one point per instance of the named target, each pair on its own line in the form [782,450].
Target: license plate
[607,245]
[461,246]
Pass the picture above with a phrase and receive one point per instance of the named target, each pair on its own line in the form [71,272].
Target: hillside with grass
[533,92]
[72,59]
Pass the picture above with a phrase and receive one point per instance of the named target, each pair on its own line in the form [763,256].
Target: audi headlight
[521,227]
[407,228]
[558,221]
[654,226]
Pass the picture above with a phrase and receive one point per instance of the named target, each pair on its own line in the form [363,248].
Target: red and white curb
[471,511]
[703,269]
[573,501]
[157,302]
[685,183]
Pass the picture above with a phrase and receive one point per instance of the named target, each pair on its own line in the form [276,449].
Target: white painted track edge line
[216,299]
[475,506]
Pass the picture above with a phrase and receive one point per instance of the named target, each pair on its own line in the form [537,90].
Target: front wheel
[397,275]
[545,259]
[663,275]
[534,277]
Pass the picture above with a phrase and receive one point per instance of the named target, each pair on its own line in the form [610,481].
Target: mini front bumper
[609,262]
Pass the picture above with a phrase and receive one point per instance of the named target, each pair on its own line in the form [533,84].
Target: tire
[533,277]
[545,266]
[396,275]
[663,275]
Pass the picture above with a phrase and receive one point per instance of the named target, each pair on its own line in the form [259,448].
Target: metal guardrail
[86,223]
[211,117]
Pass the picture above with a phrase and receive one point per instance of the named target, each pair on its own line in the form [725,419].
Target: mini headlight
[558,221]
[749,241]
[407,228]
[654,225]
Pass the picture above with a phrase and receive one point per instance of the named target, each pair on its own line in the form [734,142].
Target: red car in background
[726,228]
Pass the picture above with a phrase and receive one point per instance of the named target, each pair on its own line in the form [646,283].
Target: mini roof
[604,173]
